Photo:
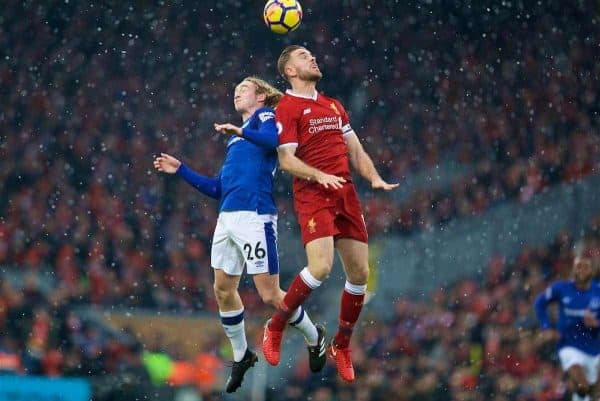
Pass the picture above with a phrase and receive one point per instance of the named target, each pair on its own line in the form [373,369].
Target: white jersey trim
[234,140]
[291,93]
[288,145]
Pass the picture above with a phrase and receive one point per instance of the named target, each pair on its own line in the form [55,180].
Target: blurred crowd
[90,93]
[41,334]
[475,340]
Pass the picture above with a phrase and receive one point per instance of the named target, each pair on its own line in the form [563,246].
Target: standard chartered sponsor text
[325,123]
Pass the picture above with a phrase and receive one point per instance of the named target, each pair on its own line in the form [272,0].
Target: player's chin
[312,76]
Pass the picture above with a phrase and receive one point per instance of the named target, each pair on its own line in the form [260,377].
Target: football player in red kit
[316,144]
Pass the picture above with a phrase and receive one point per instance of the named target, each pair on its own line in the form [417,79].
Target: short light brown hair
[272,94]
[284,57]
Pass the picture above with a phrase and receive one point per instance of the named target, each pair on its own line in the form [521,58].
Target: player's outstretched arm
[361,161]
[210,186]
[293,165]
[266,136]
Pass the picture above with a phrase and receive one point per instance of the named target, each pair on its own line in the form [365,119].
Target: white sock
[577,397]
[233,323]
[301,321]
[309,279]
[355,289]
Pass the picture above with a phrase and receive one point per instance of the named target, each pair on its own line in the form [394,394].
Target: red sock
[349,311]
[296,295]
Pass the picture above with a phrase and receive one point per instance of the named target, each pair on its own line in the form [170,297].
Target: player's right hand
[589,319]
[548,335]
[328,180]
[166,163]
[228,129]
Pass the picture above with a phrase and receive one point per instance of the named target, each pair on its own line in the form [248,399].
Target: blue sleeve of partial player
[266,135]
[209,186]
[541,306]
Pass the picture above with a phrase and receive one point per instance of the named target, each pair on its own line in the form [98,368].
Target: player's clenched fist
[166,163]
[589,319]
[228,129]
[548,335]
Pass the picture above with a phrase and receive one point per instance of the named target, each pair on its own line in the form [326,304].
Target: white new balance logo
[265,332]
[306,111]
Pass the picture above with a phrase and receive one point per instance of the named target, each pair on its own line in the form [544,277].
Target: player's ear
[261,97]
[290,71]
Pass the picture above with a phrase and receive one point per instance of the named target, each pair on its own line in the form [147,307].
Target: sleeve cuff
[181,169]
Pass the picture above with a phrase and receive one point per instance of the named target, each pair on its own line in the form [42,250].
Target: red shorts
[326,212]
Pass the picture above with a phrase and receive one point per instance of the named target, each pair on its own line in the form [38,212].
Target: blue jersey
[245,181]
[249,167]
[572,305]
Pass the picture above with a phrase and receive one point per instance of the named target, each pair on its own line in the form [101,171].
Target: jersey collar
[291,93]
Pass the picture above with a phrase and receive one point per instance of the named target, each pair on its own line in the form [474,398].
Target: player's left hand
[589,319]
[228,129]
[379,183]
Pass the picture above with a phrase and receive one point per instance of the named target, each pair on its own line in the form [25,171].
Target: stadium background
[486,113]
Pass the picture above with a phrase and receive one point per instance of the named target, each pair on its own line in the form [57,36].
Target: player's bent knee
[320,269]
[223,293]
[583,389]
[580,387]
[320,274]
[358,275]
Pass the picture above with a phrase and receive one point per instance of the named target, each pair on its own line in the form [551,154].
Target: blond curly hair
[272,94]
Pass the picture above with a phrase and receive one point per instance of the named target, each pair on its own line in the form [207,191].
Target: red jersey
[317,125]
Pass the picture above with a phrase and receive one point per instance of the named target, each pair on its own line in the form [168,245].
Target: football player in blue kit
[246,232]
[577,328]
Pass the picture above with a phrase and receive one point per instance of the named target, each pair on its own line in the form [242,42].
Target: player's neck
[304,88]
[583,285]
